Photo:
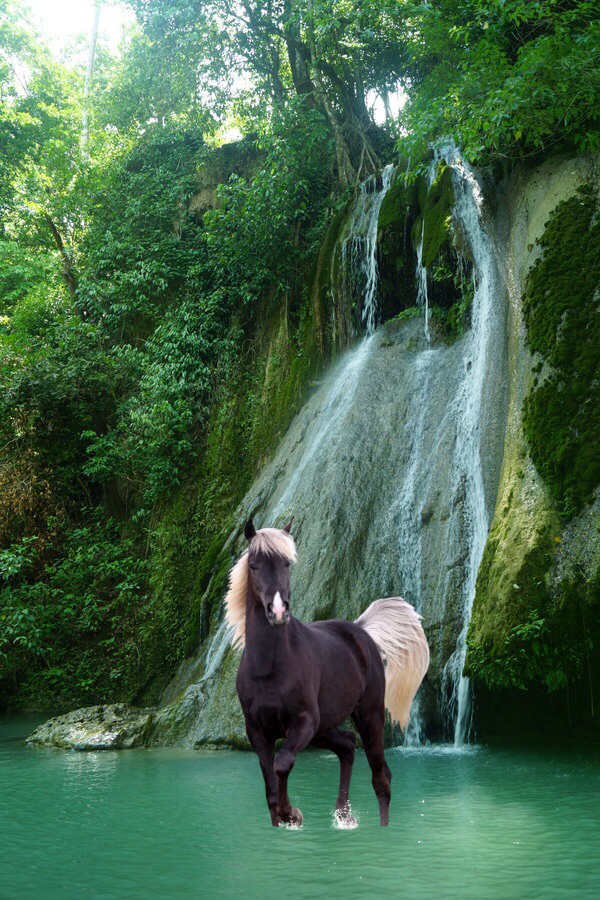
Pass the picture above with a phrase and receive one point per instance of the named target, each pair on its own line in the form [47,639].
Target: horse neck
[267,646]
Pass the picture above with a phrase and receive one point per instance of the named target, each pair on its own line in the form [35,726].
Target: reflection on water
[482,822]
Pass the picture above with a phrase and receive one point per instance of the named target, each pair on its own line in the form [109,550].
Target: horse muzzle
[278,612]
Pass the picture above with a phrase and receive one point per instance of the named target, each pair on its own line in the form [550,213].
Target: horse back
[350,665]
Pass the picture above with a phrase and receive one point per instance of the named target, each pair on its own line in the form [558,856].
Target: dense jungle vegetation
[155,328]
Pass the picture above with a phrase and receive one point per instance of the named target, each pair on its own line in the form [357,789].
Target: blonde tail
[396,628]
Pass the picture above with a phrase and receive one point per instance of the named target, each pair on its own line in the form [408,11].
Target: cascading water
[359,259]
[474,516]
[390,470]
[359,250]
[422,292]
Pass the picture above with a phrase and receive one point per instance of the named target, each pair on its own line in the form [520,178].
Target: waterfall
[390,470]
[470,516]
[468,475]
[359,250]
[331,416]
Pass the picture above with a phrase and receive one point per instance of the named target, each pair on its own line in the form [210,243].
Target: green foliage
[69,623]
[132,337]
[56,379]
[529,656]
[507,79]
[249,253]
[263,230]
[554,649]
[562,314]
[142,243]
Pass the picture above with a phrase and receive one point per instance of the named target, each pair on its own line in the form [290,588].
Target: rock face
[114,727]
[536,603]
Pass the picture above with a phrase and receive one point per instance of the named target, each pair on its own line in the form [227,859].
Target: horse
[301,682]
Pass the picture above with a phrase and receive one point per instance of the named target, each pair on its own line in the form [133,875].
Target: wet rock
[113,727]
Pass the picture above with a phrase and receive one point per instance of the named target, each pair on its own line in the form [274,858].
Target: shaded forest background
[140,300]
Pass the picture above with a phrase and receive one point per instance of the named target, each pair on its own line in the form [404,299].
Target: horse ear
[288,527]
[249,530]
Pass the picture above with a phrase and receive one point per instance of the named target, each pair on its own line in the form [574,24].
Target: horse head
[270,554]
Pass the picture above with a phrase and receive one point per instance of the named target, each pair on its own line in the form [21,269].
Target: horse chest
[268,697]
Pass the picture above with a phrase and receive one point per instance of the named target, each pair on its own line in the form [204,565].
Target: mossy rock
[562,315]
[396,254]
[323,295]
[449,284]
[435,219]
[514,579]
[535,627]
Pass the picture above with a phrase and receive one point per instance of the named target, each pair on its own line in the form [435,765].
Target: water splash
[344,822]
[359,250]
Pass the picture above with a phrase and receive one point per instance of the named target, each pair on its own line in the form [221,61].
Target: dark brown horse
[301,682]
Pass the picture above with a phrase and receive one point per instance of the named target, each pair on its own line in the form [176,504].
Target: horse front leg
[265,750]
[299,735]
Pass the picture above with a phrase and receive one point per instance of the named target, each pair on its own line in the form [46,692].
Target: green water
[490,822]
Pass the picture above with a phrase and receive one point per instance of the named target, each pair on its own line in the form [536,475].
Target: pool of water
[500,821]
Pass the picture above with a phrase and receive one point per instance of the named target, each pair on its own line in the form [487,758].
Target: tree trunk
[346,171]
[303,83]
[85,113]
[67,263]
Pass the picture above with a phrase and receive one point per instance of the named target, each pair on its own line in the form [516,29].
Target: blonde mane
[270,541]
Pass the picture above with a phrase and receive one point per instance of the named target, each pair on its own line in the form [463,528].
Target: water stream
[422,292]
[474,518]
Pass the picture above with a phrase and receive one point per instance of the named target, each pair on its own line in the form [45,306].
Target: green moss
[556,644]
[397,205]
[413,312]
[530,632]
[434,221]
[396,255]
[327,271]
[562,315]
[499,632]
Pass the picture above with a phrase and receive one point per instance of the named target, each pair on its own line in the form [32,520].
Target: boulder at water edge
[114,727]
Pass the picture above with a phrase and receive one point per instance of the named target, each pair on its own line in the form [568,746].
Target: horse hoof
[345,819]
[295,818]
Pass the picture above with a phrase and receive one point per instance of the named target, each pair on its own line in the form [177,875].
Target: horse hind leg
[370,727]
[342,742]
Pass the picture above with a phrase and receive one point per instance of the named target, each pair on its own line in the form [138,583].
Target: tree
[324,51]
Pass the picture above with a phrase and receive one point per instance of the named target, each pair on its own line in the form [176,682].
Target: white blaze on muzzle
[278,607]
